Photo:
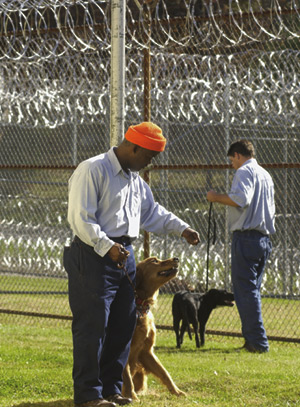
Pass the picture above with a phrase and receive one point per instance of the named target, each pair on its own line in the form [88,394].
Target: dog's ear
[138,277]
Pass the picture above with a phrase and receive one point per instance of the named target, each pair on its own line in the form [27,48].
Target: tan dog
[151,274]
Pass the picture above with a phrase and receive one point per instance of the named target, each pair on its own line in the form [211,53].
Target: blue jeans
[250,251]
[104,316]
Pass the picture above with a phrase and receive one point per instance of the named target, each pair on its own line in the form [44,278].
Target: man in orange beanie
[108,204]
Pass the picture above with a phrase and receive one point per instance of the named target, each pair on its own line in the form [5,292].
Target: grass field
[36,366]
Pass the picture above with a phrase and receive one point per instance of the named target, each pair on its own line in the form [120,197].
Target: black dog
[195,308]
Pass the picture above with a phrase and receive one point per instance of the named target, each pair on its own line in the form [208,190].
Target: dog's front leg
[128,386]
[152,365]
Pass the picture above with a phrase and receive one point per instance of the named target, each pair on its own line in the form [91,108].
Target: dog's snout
[176,259]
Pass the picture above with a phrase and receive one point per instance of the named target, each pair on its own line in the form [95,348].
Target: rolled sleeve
[103,246]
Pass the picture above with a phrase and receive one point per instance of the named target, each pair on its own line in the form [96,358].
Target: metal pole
[147,111]
[227,132]
[75,135]
[147,118]
[117,78]
[147,85]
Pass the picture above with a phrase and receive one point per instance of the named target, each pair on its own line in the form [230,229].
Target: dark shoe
[252,349]
[118,399]
[97,403]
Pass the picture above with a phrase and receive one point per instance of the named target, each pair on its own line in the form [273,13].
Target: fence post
[117,78]
[227,132]
[147,118]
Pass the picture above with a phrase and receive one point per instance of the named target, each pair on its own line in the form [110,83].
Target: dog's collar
[142,307]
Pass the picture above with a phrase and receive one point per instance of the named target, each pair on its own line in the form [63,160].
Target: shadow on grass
[198,350]
[56,403]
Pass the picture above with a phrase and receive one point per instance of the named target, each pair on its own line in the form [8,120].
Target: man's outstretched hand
[191,236]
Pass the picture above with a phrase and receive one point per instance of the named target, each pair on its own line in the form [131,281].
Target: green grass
[36,366]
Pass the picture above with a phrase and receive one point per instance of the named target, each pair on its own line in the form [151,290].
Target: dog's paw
[130,394]
[182,394]
[177,392]
[134,396]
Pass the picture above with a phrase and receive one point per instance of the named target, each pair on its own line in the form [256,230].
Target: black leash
[127,275]
[211,219]
[142,306]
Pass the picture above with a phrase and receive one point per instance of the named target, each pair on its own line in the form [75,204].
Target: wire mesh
[218,71]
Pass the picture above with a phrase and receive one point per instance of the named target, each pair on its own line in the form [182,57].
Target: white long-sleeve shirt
[105,201]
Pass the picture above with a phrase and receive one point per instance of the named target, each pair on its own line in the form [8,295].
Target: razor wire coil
[257,88]
[47,29]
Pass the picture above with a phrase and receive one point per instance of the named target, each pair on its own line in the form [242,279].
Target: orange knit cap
[147,135]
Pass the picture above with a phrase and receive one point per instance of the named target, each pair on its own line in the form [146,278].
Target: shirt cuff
[103,246]
[182,229]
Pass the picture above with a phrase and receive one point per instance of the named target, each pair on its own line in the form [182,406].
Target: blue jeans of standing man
[104,315]
[250,251]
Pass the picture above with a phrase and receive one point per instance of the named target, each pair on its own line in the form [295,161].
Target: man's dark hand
[191,236]
[118,254]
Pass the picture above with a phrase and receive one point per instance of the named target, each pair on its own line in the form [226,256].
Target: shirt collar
[253,160]
[116,166]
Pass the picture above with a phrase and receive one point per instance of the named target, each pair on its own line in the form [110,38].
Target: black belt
[124,240]
[250,232]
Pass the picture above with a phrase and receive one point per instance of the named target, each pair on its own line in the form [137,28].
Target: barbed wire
[55,61]
[264,90]
[243,88]
[48,29]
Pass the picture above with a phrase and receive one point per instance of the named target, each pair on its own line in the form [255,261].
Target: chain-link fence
[219,71]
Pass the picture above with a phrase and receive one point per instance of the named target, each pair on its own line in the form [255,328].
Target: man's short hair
[243,147]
